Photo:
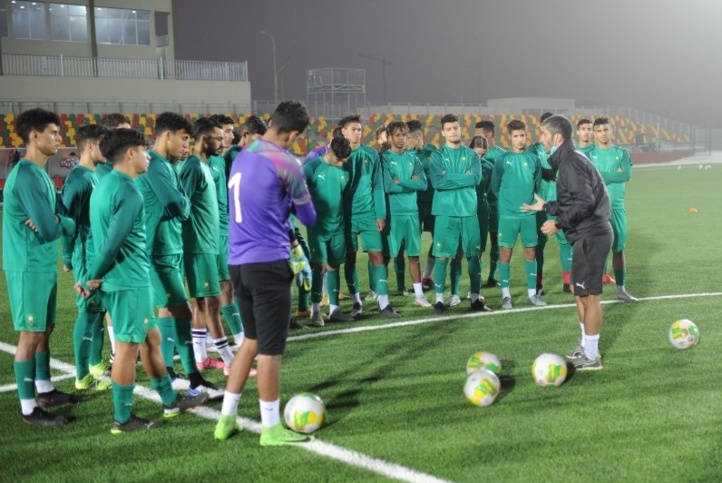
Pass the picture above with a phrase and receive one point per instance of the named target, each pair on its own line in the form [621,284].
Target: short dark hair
[204,126]
[545,116]
[34,120]
[222,119]
[515,125]
[170,121]
[583,121]
[479,142]
[447,118]
[559,124]
[349,119]
[485,125]
[341,147]
[113,120]
[236,137]
[117,141]
[89,132]
[256,125]
[396,126]
[415,126]
[290,116]
[379,131]
[601,121]
[336,133]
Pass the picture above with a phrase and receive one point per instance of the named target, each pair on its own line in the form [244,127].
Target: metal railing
[101,106]
[65,66]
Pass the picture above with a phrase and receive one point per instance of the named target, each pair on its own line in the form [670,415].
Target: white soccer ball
[483,360]
[679,167]
[549,370]
[305,413]
[482,387]
[683,334]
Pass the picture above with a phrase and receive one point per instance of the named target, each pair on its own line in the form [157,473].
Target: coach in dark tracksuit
[582,210]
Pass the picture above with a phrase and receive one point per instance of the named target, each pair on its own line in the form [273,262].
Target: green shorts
[483,215]
[166,281]
[454,233]
[33,299]
[132,313]
[326,248]
[364,226]
[510,228]
[404,232]
[619,227]
[493,217]
[94,303]
[222,258]
[202,274]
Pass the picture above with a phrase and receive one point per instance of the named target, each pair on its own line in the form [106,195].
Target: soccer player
[585,133]
[382,140]
[321,150]
[114,120]
[615,166]
[327,179]
[77,256]
[582,210]
[120,270]
[455,171]
[200,233]
[365,216]
[253,129]
[165,209]
[403,178]
[545,191]
[32,222]
[493,154]
[423,150]
[265,186]
[479,144]
[516,177]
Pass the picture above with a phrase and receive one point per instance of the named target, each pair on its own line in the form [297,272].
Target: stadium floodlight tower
[335,92]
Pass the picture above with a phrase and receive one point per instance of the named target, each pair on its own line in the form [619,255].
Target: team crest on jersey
[617,158]
[31,320]
[526,165]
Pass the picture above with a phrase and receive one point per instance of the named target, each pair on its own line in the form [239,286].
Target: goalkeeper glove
[301,268]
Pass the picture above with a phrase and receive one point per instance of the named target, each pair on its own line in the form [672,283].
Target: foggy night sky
[659,56]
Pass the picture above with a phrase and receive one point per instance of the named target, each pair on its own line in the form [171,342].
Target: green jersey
[117,221]
[327,185]
[455,173]
[586,151]
[200,231]
[398,171]
[231,154]
[615,166]
[483,188]
[102,169]
[165,207]
[218,170]
[29,194]
[366,188]
[493,155]
[547,189]
[76,193]
[516,177]
[425,198]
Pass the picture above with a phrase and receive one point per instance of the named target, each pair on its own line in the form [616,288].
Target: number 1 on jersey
[235,184]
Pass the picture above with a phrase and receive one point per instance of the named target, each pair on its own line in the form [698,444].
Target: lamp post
[275,72]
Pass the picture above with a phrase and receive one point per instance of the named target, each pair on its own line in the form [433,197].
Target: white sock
[429,267]
[111,336]
[332,308]
[440,297]
[581,325]
[270,413]
[316,307]
[356,298]
[531,292]
[505,292]
[325,284]
[43,386]
[27,406]
[230,404]
[199,344]
[591,346]
[418,290]
[209,339]
[474,297]
[224,349]
[383,301]
[620,288]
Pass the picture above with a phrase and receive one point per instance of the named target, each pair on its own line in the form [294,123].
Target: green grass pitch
[394,393]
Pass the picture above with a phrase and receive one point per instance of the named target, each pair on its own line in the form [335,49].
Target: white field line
[327,450]
[468,315]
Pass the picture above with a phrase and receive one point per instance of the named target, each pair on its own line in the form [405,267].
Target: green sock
[455,276]
[184,344]
[167,339]
[334,285]
[166,392]
[531,276]
[565,256]
[372,278]
[122,402]
[81,344]
[351,276]
[475,274]
[539,269]
[96,324]
[303,298]
[42,366]
[493,259]
[317,287]
[440,275]
[382,279]
[400,269]
[504,273]
[620,276]
[232,314]
[25,378]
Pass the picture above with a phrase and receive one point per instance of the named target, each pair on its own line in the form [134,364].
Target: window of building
[28,19]
[122,27]
[69,22]
[3,18]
